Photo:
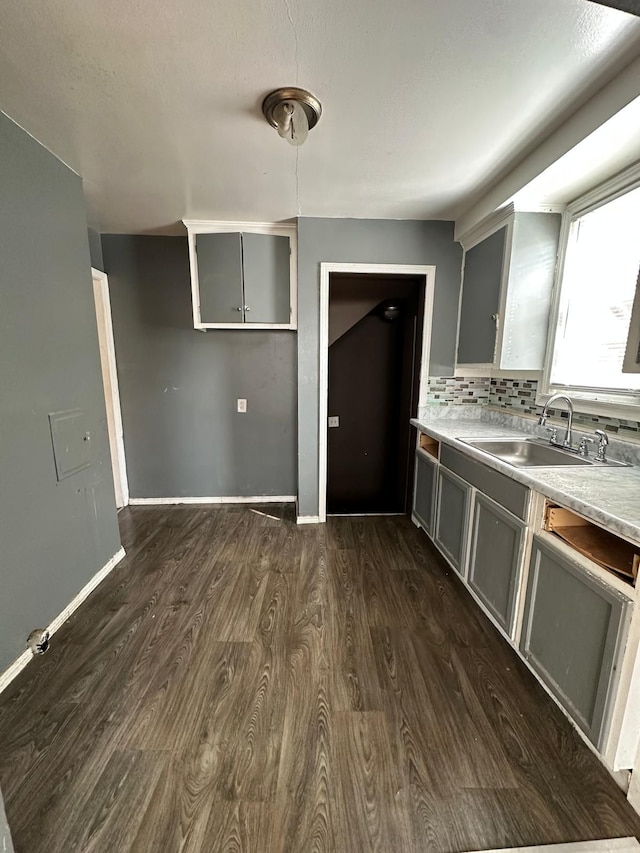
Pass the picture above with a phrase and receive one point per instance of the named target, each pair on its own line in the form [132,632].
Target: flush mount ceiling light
[293,112]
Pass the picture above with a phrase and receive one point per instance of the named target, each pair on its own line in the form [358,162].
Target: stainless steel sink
[533,453]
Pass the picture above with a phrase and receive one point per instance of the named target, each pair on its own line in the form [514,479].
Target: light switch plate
[242,405]
[334,422]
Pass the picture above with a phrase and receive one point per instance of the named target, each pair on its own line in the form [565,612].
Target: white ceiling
[157,104]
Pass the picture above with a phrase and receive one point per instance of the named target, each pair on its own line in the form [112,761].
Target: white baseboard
[308,519]
[259,499]
[19,664]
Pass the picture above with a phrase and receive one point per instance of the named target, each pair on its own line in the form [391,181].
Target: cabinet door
[483,271]
[573,635]
[452,520]
[425,490]
[266,265]
[494,563]
[220,277]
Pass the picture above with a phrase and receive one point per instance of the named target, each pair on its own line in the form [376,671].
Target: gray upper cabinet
[266,263]
[573,636]
[242,278]
[424,495]
[220,277]
[509,268]
[495,558]
[481,299]
[452,517]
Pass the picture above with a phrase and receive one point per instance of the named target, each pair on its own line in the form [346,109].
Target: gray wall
[5,836]
[95,249]
[55,536]
[183,436]
[374,242]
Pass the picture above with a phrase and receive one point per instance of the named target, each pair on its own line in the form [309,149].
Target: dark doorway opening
[375,342]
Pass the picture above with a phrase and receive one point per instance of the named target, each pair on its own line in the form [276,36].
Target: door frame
[111,388]
[428,273]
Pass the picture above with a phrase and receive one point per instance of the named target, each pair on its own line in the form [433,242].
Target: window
[598,287]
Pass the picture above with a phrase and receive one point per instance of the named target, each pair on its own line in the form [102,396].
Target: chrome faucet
[603,441]
[545,414]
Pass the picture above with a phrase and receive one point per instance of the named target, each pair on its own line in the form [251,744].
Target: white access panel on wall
[243,274]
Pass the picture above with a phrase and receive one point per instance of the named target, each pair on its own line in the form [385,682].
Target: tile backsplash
[455,391]
[518,396]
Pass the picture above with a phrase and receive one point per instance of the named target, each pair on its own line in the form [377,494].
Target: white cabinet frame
[277,229]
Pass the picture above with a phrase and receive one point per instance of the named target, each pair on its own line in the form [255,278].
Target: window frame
[595,401]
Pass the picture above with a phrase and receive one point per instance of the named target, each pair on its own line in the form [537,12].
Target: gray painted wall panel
[55,536]
[95,249]
[182,434]
[375,242]
[6,845]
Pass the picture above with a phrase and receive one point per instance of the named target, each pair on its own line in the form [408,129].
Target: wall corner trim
[19,664]
[308,519]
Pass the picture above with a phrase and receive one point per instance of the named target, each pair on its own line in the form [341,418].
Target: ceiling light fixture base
[310,104]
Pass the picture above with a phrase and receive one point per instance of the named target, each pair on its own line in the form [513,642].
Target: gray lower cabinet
[495,557]
[573,636]
[452,517]
[424,494]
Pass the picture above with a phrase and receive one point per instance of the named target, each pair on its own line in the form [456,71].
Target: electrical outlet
[242,405]
[334,422]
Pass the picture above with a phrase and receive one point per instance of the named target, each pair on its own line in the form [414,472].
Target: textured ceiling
[157,104]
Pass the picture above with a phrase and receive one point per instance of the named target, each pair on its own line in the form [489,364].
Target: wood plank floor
[242,684]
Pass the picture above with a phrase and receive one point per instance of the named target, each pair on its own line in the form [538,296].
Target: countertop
[608,496]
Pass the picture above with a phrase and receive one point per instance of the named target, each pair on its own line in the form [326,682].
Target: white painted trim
[259,499]
[428,272]
[492,223]
[625,717]
[209,226]
[634,788]
[19,664]
[277,229]
[112,388]
[308,519]
[606,191]
[244,327]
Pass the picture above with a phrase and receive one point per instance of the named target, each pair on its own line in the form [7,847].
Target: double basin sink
[534,453]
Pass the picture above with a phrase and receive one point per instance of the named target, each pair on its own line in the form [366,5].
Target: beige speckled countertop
[608,496]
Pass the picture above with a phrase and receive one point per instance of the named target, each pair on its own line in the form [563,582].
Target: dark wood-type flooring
[242,684]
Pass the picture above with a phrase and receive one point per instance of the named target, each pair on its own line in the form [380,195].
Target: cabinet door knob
[239,309]
[246,308]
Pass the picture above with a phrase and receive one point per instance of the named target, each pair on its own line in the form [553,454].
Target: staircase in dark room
[373,369]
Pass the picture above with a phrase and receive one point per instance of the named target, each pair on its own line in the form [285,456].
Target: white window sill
[588,405]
